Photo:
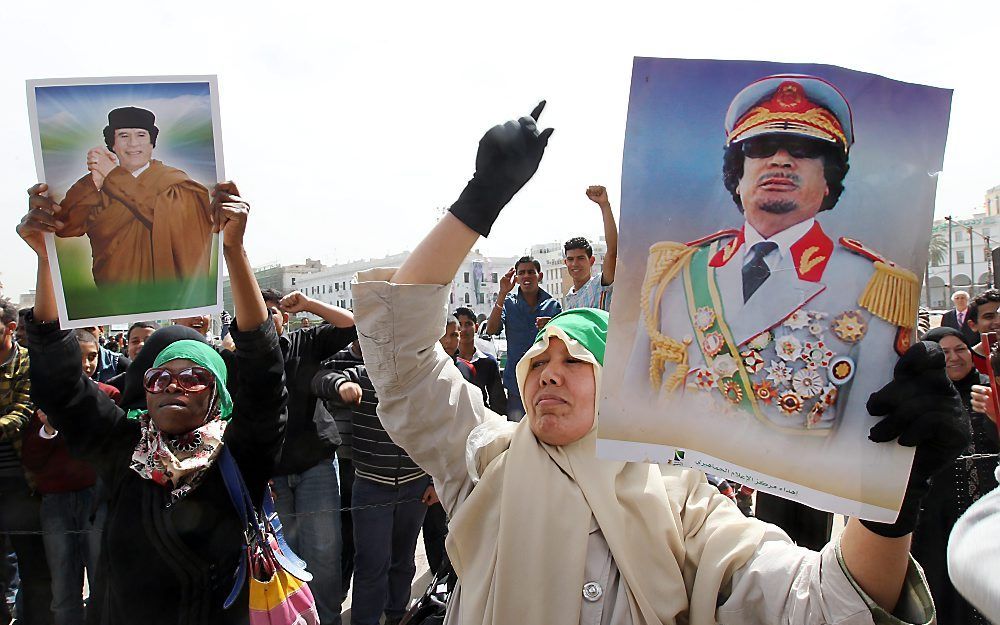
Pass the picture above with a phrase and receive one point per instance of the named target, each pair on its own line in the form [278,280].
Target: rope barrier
[284,517]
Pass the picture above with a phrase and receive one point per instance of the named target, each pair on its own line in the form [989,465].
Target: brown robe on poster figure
[151,227]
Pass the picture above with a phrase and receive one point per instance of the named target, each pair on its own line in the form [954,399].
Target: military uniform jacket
[788,359]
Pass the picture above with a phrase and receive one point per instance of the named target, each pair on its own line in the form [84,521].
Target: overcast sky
[347,125]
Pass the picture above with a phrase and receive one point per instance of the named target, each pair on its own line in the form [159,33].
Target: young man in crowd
[68,488]
[982,317]
[305,479]
[19,507]
[390,499]
[323,386]
[136,337]
[435,524]
[486,369]
[20,334]
[521,313]
[592,291]
[110,363]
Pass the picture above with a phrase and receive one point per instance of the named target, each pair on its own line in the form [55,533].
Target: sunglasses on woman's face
[768,146]
[190,380]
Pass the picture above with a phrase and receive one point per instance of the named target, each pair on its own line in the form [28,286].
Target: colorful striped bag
[279,594]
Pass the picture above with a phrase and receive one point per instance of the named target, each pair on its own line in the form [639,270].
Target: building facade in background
[971,268]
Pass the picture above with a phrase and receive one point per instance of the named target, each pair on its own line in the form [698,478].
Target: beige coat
[443,425]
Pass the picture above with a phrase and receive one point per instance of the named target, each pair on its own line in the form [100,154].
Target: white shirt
[136,173]
[785,239]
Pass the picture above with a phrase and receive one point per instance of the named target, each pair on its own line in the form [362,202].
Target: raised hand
[229,214]
[507,282]
[42,216]
[598,194]
[294,302]
[508,156]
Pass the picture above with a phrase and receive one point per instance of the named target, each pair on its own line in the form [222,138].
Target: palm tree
[937,254]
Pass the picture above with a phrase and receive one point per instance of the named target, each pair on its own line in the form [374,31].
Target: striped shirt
[376,457]
[15,409]
[592,294]
[340,361]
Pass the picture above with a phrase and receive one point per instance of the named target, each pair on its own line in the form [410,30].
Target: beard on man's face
[779,207]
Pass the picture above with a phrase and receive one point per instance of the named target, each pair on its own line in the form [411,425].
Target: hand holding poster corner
[130,160]
[774,222]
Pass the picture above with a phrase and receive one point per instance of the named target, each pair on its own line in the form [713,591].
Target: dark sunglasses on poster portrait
[797,147]
[190,380]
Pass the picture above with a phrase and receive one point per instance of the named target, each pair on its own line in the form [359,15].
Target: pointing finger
[544,137]
[538,110]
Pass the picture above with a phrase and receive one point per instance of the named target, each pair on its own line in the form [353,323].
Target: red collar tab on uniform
[859,248]
[811,253]
[727,251]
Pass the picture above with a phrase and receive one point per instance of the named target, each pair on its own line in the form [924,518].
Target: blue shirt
[519,320]
[592,294]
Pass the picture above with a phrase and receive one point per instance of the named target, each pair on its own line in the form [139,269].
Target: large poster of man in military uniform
[774,224]
[130,161]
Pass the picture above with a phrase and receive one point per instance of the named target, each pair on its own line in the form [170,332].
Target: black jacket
[953,489]
[950,320]
[308,443]
[161,563]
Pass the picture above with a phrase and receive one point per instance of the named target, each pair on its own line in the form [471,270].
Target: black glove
[922,409]
[508,157]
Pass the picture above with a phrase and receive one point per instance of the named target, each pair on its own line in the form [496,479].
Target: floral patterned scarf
[180,461]
[177,461]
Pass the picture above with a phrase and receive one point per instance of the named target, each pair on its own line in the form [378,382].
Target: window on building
[466,298]
[959,235]
[451,298]
[960,257]
[336,287]
[494,277]
[480,298]
[466,277]
[293,281]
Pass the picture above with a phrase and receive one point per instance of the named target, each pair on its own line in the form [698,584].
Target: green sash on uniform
[702,292]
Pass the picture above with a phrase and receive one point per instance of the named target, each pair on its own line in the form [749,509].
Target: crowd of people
[392,419]
[352,502]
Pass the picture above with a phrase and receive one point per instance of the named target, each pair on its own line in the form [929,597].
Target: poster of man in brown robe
[146,221]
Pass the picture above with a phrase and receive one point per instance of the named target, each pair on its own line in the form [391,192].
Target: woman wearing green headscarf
[541,530]
[172,540]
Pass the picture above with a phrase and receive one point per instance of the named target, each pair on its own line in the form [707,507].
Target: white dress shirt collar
[785,239]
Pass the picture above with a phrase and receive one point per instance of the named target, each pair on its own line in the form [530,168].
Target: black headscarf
[134,395]
[964,385]
[937,334]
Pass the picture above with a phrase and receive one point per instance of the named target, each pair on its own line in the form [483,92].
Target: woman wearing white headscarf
[541,530]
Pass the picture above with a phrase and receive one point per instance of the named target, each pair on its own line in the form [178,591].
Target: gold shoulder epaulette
[666,260]
[892,294]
